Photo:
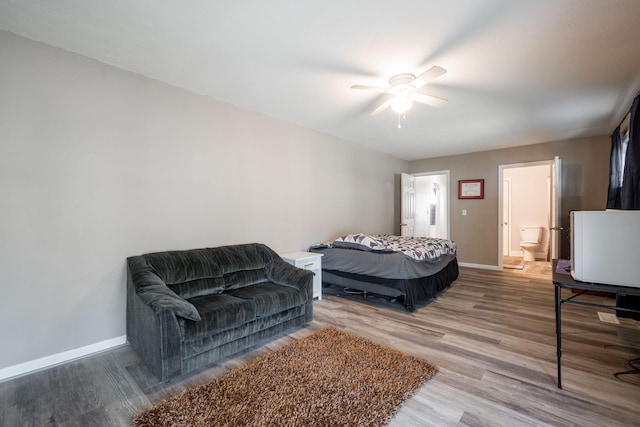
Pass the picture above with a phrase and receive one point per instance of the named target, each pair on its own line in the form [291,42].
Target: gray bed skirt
[414,291]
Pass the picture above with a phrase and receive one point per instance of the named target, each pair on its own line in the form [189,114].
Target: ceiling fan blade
[383,103]
[364,87]
[431,74]
[422,98]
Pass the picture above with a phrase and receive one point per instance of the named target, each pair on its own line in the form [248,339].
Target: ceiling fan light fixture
[403,90]
[401,104]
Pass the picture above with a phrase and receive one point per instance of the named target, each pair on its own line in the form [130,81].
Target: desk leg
[558,334]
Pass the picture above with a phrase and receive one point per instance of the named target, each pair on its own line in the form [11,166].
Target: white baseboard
[481,266]
[56,359]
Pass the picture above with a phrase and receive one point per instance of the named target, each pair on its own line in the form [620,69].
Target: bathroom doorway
[529,204]
[430,205]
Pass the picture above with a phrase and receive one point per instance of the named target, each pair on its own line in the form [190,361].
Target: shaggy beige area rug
[330,378]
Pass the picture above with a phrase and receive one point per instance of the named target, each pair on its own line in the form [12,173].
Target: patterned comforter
[418,248]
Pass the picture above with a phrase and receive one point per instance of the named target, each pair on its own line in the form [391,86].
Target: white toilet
[530,241]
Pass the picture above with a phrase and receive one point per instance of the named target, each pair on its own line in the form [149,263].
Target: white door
[408,205]
[506,217]
[556,197]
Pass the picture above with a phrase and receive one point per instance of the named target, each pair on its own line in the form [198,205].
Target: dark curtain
[630,191]
[615,171]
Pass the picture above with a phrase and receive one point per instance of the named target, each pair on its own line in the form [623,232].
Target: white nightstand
[308,261]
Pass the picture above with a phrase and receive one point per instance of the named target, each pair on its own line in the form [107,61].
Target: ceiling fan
[405,89]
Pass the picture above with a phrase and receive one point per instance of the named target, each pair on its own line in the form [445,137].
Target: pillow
[363,242]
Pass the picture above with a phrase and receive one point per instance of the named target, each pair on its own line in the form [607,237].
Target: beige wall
[97,164]
[584,187]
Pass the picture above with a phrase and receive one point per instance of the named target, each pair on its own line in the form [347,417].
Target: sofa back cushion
[244,265]
[188,273]
[197,272]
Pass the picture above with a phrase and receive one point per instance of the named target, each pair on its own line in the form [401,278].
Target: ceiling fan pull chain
[400,118]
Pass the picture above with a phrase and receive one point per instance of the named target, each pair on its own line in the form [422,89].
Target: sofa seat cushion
[219,312]
[252,329]
[269,298]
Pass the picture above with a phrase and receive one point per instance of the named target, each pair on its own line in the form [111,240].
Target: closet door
[408,205]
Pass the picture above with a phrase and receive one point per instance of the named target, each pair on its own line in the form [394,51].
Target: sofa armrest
[283,273]
[155,293]
[154,333]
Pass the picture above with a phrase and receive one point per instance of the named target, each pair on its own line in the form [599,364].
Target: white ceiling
[519,72]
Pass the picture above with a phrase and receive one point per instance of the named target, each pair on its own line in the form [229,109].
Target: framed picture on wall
[471,189]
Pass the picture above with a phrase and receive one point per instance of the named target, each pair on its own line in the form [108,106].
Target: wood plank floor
[492,336]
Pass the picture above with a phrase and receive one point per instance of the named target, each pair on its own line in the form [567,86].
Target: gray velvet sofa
[187,309]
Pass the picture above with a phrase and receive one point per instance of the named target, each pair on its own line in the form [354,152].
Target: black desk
[561,281]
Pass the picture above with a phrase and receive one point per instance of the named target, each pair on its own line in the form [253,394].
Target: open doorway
[425,205]
[529,206]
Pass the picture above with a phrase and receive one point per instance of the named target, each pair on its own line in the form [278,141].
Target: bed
[413,269]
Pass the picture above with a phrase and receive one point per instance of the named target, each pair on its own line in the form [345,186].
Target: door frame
[555,171]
